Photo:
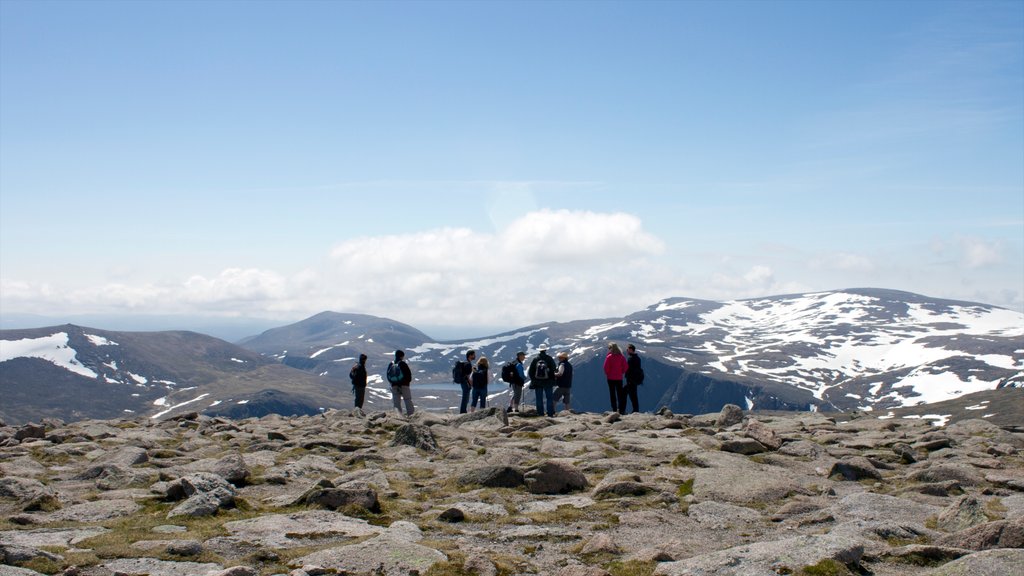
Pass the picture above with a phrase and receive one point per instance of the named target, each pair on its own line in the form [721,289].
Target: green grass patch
[631,568]
[683,460]
[685,489]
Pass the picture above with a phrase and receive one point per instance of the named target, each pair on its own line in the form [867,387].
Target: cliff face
[344,492]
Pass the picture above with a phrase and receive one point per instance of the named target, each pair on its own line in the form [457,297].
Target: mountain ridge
[857,349]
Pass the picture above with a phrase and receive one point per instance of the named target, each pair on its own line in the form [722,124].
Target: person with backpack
[358,377]
[634,378]
[614,370]
[563,381]
[480,377]
[515,375]
[399,375]
[542,380]
[460,375]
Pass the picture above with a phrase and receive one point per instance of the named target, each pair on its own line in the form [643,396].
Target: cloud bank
[547,265]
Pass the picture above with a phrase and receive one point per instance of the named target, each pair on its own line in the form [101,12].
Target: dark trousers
[617,396]
[545,392]
[360,392]
[466,389]
[629,390]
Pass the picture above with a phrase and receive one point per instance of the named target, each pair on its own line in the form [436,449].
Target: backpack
[479,378]
[542,371]
[459,372]
[394,373]
[508,372]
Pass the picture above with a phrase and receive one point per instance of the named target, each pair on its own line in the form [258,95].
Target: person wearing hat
[563,380]
[542,380]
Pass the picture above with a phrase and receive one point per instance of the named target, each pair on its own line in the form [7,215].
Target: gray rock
[744,446]
[393,552]
[768,558]
[730,414]
[417,436]
[452,515]
[299,529]
[233,469]
[854,468]
[30,431]
[998,534]
[763,434]
[353,494]
[185,548]
[880,507]
[555,477]
[492,418]
[18,554]
[154,567]
[494,477]
[30,494]
[198,505]
[619,483]
[1002,562]
[96,511]
[965,475]
[967,511]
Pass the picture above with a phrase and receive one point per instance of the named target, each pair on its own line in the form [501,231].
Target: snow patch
[53,349]
[100,340]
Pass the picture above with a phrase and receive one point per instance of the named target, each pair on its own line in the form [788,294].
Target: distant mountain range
[859,349]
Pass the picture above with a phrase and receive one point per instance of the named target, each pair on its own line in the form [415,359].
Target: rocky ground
[485,493]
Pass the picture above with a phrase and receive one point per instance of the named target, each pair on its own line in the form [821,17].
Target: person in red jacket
[615,366]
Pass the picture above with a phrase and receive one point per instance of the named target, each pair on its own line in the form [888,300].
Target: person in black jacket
[358,376]
[542,380]
[634,377]
[563,381]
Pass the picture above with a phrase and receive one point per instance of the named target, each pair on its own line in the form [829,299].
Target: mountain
[858,349]
[72,372]
[329,343]
[850,350]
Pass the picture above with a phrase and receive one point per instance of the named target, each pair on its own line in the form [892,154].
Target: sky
[501,164]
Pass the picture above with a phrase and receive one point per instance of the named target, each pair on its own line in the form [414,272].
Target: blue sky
[504,163]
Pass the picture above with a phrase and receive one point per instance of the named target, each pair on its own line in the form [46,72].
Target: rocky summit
[343,492]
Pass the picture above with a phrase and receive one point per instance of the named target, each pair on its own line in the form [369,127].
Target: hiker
[358,377]
[563,381]
[542,380]
[481,376]
[614,370]
[399,375]
[634,378]
[519,379]
[460,374]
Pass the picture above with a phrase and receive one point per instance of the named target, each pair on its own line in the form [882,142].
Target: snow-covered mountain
[861,349]
[865,349]
[73,372]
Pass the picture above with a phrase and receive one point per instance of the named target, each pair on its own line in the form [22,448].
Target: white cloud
[585,263]
[979,253]
[545,265]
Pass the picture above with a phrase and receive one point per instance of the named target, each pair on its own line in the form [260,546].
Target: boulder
[730,414]
[417,436]
[555,477]
[494,477]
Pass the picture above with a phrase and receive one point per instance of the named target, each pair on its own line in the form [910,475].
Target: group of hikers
[550,381]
